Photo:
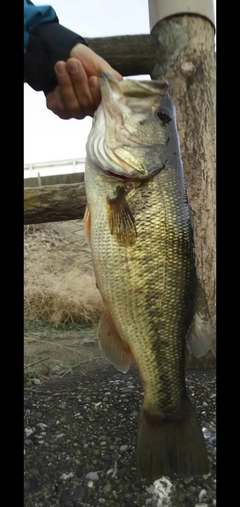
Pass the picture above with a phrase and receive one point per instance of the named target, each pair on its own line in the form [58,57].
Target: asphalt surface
[80,438]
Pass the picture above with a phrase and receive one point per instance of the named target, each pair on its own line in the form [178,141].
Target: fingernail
[60,68]
[72,66]
[117,75]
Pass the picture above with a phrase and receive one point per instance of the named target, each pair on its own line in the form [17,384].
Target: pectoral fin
[199,336]
[120,218]
[116,351]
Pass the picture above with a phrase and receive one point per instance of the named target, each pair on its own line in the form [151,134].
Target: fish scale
[140,230]
[144,322]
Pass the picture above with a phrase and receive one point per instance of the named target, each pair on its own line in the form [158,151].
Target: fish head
[131,128]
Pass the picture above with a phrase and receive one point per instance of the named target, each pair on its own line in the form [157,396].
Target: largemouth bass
[139,226]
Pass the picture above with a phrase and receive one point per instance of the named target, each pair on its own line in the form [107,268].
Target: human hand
[78,94]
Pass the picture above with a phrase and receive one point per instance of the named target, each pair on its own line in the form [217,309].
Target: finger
[113,72]
[93,64]
[55,104]
[67,91]
[95,90]
[80,84]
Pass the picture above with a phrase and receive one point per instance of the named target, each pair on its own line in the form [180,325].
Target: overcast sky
[47,137]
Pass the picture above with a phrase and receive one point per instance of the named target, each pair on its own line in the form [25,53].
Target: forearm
[45,43]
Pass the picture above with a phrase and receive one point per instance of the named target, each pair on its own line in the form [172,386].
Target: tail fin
[167,445]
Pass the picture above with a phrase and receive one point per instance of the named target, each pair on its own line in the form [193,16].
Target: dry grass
[61,301]
[59,283]
[55,349]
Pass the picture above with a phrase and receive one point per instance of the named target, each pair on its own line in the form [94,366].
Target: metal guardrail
[53,163]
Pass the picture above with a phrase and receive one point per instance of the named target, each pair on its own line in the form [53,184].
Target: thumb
[105,67]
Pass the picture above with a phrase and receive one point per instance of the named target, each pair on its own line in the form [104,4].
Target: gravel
[81,450]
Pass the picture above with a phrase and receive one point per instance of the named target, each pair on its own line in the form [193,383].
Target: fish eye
[164,117]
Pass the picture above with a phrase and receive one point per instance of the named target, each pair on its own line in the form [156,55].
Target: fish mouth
[124,178]
[121,177]
[128,178]
[131,87]
[127,139]
[115,161]
[114,150]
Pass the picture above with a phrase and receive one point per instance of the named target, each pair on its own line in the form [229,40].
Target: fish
[139,226]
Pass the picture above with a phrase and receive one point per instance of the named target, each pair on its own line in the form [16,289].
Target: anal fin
[116,351]
[199,336]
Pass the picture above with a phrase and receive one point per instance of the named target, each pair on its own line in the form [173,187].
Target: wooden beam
[54,203]
[131,55]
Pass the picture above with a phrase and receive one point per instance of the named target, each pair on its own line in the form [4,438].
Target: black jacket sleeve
[47,43]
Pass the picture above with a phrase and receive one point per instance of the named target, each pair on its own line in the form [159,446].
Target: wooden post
[186,58]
